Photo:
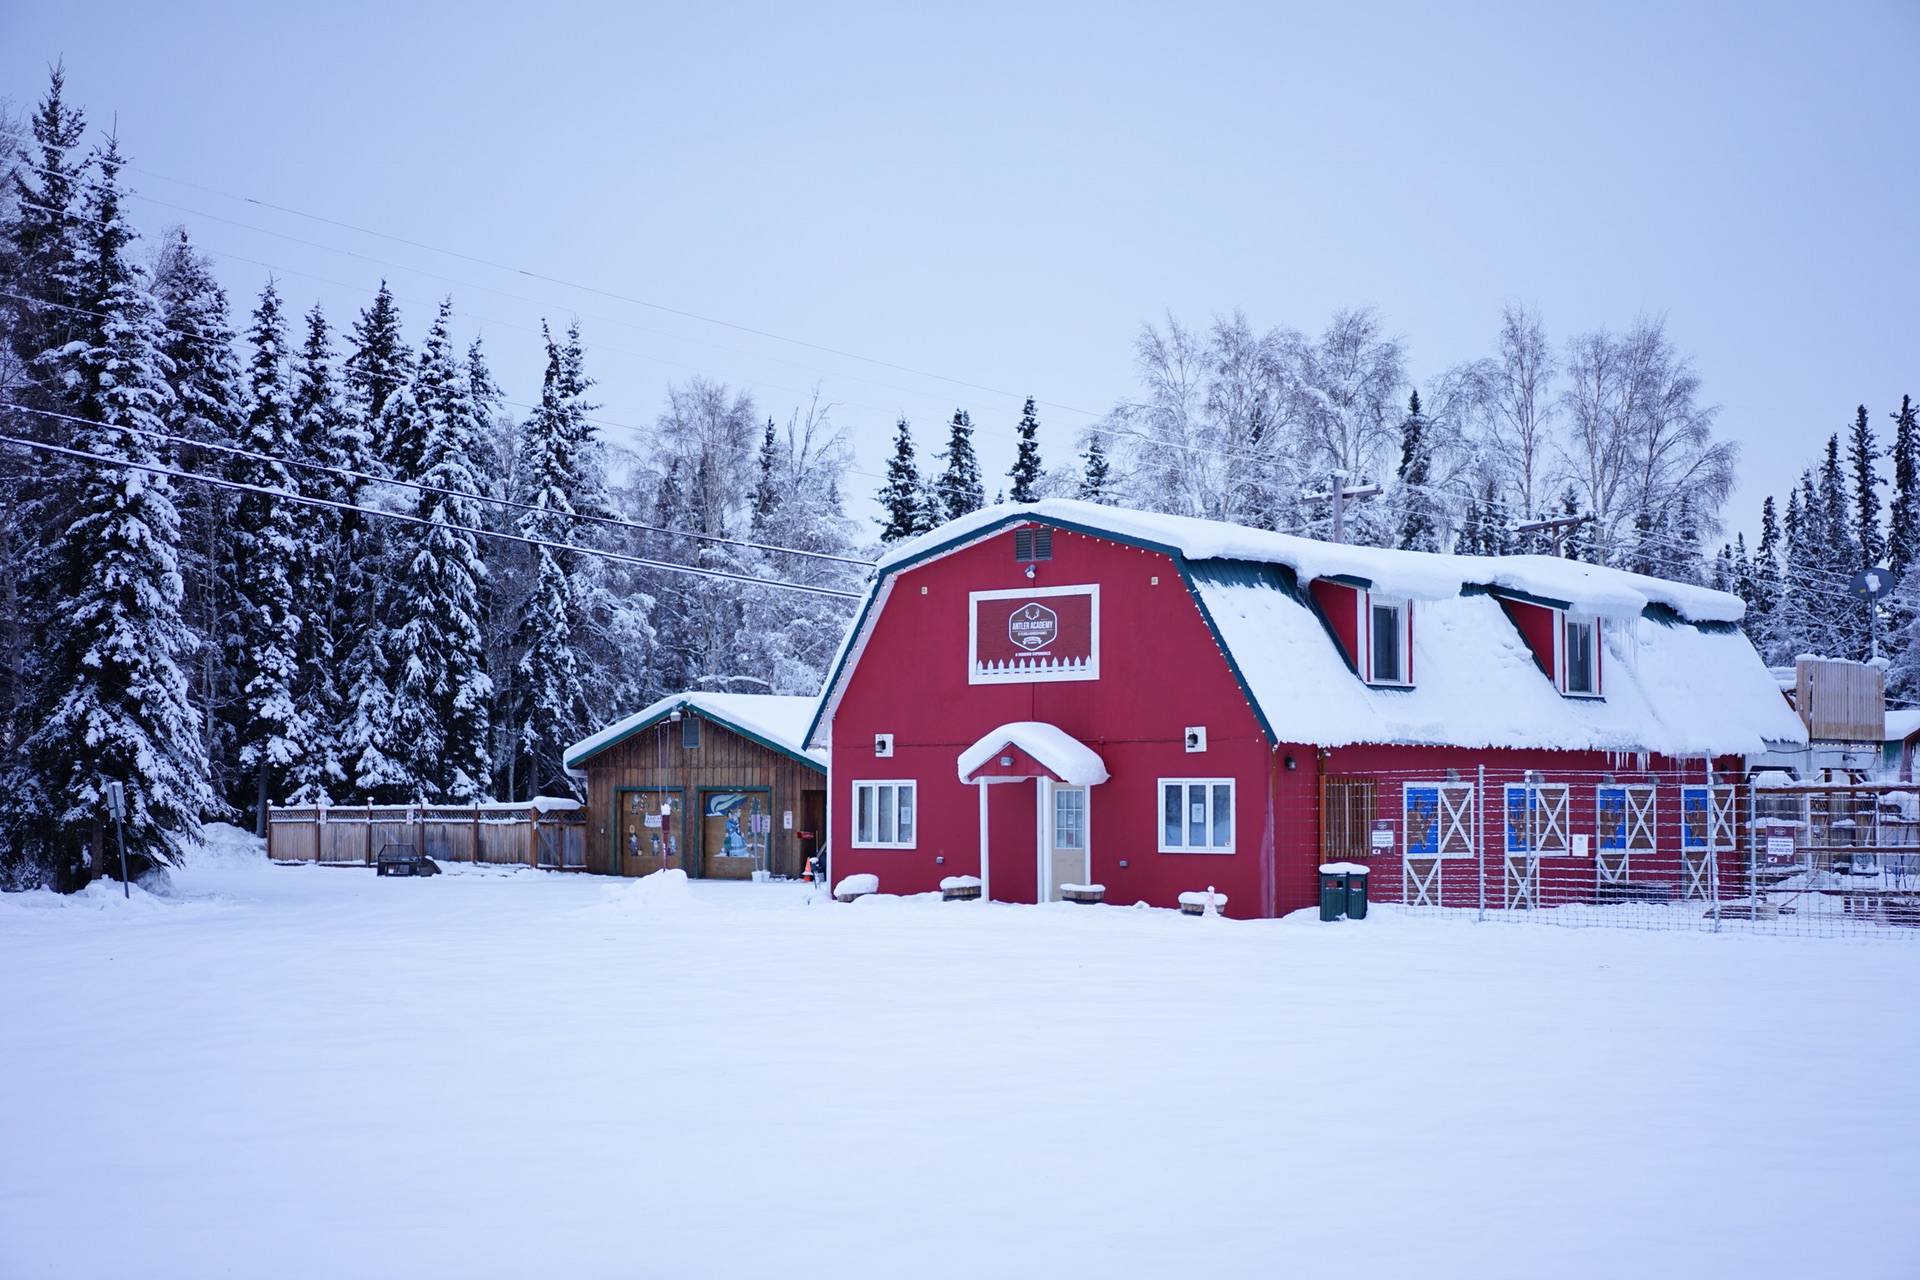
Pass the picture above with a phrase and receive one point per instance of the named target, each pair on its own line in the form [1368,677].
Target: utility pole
[117,802]
[1555,528]
[1338,492]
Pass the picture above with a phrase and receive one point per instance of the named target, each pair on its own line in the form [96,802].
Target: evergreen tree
[273,735]
[1837,560]
[1419,523]
[377,372]
[554,467]
[1764,603]
[1096,480]
[958,490]
[210,407]
[378,366]
[110,700]
[42,245]
[1026,463]
[766,496]
[1903,517]
[441,693]
[322,435]
[1862,453]
[902,497]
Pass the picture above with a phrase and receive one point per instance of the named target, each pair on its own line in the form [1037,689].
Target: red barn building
[1065,692]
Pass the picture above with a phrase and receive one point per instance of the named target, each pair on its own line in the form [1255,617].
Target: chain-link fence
[1637,848]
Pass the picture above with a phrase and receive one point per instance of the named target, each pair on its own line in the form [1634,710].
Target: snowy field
[292,1072]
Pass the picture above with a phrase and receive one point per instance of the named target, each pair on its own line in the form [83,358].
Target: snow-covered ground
[291,1072]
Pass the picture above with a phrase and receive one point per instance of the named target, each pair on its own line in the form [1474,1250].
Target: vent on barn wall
[883,744]
[1033,544]
[690,732]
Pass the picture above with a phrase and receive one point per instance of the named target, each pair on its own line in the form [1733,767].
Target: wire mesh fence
[1641,848]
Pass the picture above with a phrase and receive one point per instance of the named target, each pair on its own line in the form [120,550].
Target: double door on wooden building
[727,838]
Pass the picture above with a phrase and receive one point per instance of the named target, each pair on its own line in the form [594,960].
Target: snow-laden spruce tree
[958,488]
[41,247]
[1096,477]
[110,698]
[902,497]
[209,408]
[377,372]
[268,555]
[1026,470]
[557,471]
[324,436]
[441,692]
[1420,513]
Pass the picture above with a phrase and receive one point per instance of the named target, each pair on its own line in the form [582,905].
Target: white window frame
[913,806]
[1160,814]
[1562,670]
[1369,601]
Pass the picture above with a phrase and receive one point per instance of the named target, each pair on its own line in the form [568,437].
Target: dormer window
[1579,656]
[1388,641]
[1375,630]
[1565,642]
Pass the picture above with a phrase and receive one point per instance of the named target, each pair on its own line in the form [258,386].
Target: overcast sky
[918,210]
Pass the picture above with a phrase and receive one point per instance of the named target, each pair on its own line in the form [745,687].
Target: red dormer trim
[1341,604]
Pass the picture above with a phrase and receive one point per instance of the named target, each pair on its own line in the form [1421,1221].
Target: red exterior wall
[1341,604]
[1160,672]
[1535,624]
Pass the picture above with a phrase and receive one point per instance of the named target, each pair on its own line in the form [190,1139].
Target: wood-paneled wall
[1841,701]
[653,760]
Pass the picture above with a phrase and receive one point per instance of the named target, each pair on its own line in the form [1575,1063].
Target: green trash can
[1357,893]
[1333,893]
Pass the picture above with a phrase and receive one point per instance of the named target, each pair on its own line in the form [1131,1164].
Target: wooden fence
[542,833]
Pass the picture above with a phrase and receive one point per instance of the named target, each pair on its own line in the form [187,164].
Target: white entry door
[1066,841]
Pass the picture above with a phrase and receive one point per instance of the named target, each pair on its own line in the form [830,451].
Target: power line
[369,477]
[283,496]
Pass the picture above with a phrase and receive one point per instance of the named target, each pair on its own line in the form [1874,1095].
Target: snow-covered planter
[856,887]
[960,888]
[1087,893]
[1202,902]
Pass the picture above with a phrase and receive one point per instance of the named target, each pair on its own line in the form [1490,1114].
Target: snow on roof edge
[1071,760]
[769,717]
[1415,574]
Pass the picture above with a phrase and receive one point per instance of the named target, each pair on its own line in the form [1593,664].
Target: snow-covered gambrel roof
[1681,678]
[773,720]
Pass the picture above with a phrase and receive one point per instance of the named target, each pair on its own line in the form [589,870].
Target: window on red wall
[1196,815]
[883,815]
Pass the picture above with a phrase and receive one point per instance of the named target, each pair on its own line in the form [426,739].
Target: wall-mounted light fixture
[1290,764]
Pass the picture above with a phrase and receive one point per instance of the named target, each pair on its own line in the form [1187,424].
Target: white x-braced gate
[1537,827]
[1438,821]
[1624,816]
[1708,827]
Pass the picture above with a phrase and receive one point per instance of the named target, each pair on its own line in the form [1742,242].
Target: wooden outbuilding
[714,784]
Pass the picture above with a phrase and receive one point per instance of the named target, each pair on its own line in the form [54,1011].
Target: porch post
[986,881]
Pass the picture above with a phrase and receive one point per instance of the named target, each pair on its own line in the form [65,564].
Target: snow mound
[958,882]
[862,883]
[225,847]
[666,888]
[103,895]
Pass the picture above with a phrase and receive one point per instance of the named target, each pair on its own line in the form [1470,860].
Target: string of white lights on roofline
[1095,428]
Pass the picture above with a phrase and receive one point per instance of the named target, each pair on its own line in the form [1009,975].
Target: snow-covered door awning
[1032,749]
